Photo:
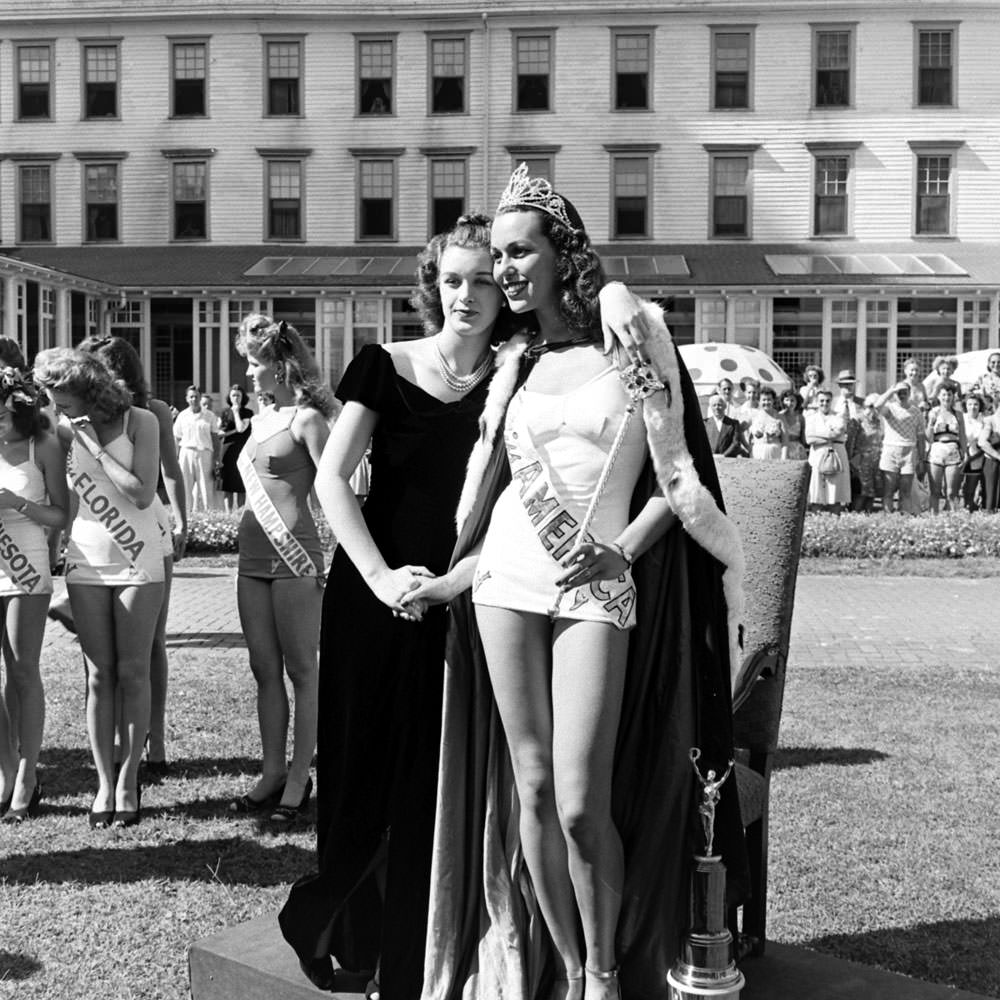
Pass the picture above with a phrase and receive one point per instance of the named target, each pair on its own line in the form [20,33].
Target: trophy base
[686,982]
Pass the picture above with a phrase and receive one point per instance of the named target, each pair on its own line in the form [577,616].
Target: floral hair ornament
[523,191]
[17,387]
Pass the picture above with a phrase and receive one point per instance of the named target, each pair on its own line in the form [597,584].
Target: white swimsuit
[24,552]
[572,433]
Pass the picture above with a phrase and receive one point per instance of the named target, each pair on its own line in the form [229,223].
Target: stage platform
[252,962]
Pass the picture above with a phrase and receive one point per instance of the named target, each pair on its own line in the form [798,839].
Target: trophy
[706,967]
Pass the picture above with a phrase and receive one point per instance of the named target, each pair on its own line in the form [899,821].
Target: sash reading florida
[104,511]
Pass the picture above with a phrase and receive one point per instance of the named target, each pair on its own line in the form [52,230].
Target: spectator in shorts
[989,444]
[945,433]
[863,453]
[902,444]
[972,468]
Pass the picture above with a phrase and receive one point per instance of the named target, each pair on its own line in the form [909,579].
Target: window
[284,199]
[189,68]
[832,56]
[375,72]
[100,183]
[376,199]
[630,178]
[284,77]
[34,76]
[830,211]
[730,197]
[448,86]
[731,61]
[935,67]
[632,70]
[100,81]
[190,201]
[35,190]
[532,72]
[933,215]
[541,160]
[448,192]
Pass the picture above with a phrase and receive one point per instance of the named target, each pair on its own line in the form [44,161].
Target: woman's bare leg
[253,598]
[518,649]
[157,750]
[935,473]
[22,648]
[297,605]
[588,678]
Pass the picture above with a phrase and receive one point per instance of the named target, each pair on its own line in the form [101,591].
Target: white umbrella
[708,363]
[971,367]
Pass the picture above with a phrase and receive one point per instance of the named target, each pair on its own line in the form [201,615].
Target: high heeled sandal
[606,977]
[246,804]
[25,812]
[286,815]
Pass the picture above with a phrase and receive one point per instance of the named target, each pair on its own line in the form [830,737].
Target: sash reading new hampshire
[557,529]
[285,543]
[15,564]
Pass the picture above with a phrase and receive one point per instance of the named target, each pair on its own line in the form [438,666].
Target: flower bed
[879,536]
[215,532]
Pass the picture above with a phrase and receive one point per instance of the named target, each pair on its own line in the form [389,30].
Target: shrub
[951,535]
[216,532]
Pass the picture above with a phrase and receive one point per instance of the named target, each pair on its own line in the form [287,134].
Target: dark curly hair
[63,369]
[282,345]
[122,359]
[578,268]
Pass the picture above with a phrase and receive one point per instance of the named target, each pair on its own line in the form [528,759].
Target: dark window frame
[441,91]
[182,210]
[101,99]
[646,81]
[189,95]
[43,216]
[833,87]
[935,86]
[381,90]
[35,100]
[528,87]
[101,213]
[728,79]
[278,89]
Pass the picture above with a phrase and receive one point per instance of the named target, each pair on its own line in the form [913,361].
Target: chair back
[767,501]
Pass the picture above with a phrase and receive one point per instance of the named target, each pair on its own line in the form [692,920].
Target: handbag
[829,463]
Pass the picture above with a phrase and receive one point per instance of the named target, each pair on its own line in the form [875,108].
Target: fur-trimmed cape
[485,937]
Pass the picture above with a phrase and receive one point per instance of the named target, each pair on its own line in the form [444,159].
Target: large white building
[819,180]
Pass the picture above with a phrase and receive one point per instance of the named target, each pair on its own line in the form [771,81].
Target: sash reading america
[558,530]
[292,553]
[15,565]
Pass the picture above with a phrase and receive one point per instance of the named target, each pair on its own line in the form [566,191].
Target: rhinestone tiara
[523,191]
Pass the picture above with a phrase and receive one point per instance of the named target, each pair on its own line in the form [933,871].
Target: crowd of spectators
[921,444]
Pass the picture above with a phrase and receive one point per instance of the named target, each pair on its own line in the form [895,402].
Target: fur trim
[675,471]
[508,366]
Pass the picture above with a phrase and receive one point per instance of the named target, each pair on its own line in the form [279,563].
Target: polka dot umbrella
[708,363]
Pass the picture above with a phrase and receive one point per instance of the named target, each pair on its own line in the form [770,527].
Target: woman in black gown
[234,422]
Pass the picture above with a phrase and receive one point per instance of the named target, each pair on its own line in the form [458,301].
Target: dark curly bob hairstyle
[122,359]
[281,345]
[578,269]
[62,369]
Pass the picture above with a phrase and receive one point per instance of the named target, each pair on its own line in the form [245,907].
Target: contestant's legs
[253,599]
[953,482]
[8,740]
[157,750]
[22,648]
[935,473]
[92,612]
[518,649]
[135,611]
[588,678]
[297,604]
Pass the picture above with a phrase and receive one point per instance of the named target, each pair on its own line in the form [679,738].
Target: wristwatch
[20,507]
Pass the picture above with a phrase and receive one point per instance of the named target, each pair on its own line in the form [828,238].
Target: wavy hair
[19,394]
[281,345]
[940,359]
[578,269]
[236,387]
[11,355]
[123,361]
[813,368]
[63,369]
[794,396]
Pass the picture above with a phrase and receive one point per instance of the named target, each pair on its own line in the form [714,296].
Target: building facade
[822,183]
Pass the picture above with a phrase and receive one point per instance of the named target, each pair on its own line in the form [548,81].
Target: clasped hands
[410,590]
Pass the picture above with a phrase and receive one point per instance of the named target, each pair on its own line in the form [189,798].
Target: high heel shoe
[129,817]
[246,804]
[30,811]
[286,815]
[607,979]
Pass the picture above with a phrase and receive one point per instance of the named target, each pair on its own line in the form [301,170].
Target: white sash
[558,529]
[15,564]
[285,543]
[105,510]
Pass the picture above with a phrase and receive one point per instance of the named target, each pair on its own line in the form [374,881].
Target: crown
[523,191]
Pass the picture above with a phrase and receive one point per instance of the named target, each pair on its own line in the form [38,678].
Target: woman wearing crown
[591,653]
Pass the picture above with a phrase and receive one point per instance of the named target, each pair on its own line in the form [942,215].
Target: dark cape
[486,938]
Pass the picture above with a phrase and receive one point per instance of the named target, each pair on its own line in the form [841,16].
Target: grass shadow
[69,769]
[786,758]
[958,953]
[200,640]
[15,967]
[230,861]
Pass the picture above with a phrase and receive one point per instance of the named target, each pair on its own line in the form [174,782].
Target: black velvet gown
[380,691]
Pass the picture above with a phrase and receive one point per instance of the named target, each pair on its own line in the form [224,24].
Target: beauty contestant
[606,600]
[114,561]
[32,498]
[279,583]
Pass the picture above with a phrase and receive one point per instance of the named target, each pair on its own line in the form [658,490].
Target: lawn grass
[884,825]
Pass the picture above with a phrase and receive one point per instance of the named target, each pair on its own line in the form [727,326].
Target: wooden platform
[252,962]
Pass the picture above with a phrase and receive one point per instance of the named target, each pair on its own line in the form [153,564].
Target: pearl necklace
[462,383]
